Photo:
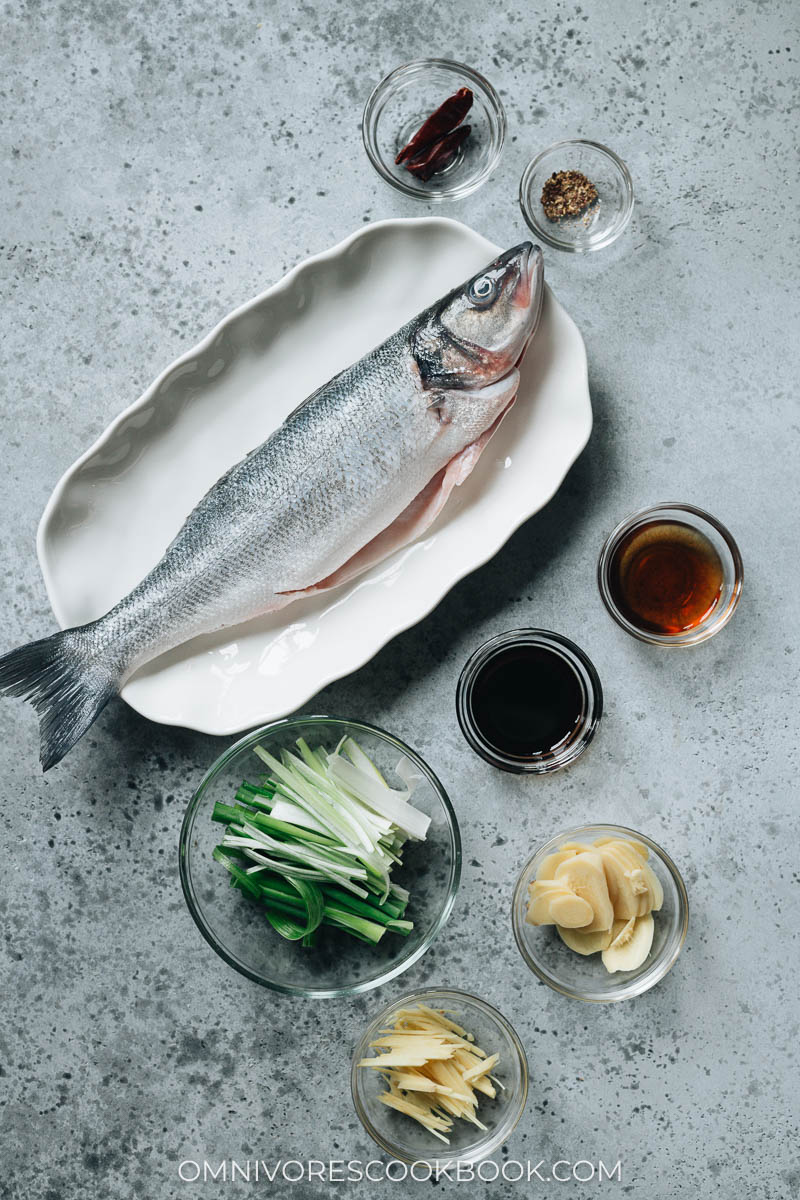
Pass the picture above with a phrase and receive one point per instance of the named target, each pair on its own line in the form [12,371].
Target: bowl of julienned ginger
[439,1076]
[600,913]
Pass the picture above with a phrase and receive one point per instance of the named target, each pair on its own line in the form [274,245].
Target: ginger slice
[614,879]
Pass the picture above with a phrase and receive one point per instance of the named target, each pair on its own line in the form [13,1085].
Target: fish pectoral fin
[413,520]
[440,405]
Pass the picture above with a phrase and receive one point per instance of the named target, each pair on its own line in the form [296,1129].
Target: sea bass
[362,467]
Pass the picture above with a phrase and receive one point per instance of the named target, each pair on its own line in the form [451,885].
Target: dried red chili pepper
[447,116]
[436,157]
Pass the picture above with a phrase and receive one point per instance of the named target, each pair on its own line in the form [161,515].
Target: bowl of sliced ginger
[439,1077]
[600,913]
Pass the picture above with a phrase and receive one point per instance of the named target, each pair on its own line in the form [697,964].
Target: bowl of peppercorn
[577,196]
[434,129]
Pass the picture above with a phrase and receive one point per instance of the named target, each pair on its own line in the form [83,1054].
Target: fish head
[479,332]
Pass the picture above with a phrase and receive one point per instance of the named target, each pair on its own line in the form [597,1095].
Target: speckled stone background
[163,162]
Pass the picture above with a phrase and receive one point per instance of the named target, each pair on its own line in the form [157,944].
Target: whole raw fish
[363,466]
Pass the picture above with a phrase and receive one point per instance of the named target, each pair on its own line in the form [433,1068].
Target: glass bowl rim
[397,967]
[488,753]
[628,988]
[545,234]
[717,619]
[457,192]
[500,1136]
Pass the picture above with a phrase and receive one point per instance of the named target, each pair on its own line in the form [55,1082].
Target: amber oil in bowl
[671,575]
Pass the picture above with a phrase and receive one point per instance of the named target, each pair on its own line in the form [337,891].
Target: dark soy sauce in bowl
[529,700]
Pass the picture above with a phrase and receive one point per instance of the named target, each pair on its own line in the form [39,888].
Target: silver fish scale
[336,473]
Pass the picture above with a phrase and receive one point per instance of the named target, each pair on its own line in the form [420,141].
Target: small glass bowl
[405,1139]
[339,965]
[583,976]
[723,543]
[407,97]
[604,220]
[590,686]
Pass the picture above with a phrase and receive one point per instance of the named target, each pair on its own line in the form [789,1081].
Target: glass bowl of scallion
[320,857]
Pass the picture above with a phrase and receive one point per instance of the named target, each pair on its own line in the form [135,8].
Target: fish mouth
[528,296]
[529,268]
[525,262]
[521,261]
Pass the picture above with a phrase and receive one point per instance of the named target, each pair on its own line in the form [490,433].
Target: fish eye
[482,291]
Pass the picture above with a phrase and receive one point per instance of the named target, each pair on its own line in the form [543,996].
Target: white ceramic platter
[115,511]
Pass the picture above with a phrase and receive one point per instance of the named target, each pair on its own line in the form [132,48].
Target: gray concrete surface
[162,163]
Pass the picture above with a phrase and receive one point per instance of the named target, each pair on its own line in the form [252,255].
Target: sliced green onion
[317,841]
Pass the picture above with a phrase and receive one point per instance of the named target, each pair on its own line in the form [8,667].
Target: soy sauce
[665,577]
[527,701]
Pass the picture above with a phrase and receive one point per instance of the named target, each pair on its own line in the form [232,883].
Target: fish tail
[66,680]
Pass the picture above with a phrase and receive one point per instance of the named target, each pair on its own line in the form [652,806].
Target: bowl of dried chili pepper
[434,129]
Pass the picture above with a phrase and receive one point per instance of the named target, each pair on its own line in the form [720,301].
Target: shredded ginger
[433,1069]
